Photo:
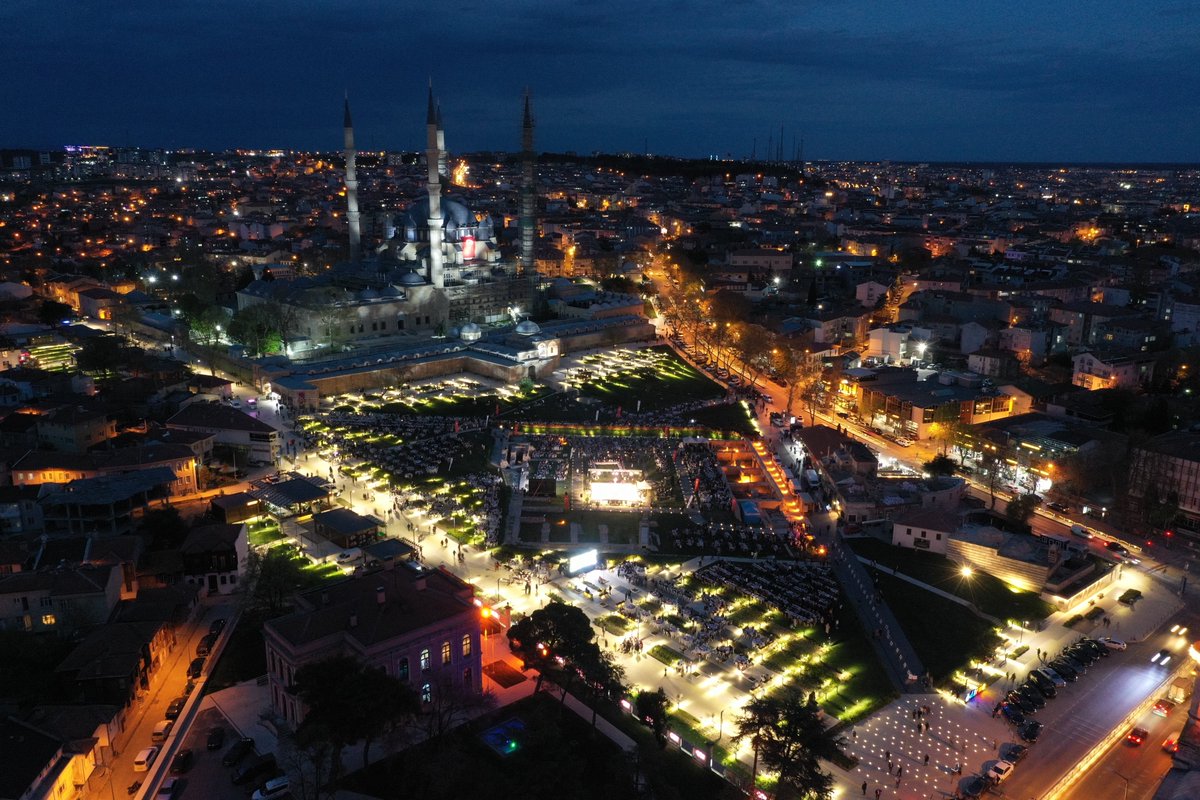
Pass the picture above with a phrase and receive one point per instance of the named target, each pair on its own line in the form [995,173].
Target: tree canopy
[790,738]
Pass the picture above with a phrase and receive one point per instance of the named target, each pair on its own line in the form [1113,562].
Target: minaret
[352,214]
[528,201]
[443,170]
[436,275]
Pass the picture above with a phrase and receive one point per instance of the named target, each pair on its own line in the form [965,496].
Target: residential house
[214,556]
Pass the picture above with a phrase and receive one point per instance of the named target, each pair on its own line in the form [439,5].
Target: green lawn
[731,417]
[667,655]
[990,595]
[945,634]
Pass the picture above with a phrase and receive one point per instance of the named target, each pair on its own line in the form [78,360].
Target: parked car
[974,786]
[1030,731]
[1031,695]
[237,752]
[1084,655]
[1013,752]
[1113,644]
[1022,703]
[144,758]
[175,708]
[182,761]
[255,768]
[167,790]
[196,667]
[217,625]
[216,738]
[1065,669]
[1074,663]
[1053,674]
[1136,736]
[1000,771]
[161,731]
[1096,646]
[1043,684]
[1012,714]
[204,646]
[276,787]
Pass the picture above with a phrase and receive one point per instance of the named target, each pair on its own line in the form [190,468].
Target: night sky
[1024,80]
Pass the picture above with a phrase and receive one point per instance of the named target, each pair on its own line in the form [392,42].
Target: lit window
[426,693]
[424,661]
[445,653]
[48,619]
[466,644]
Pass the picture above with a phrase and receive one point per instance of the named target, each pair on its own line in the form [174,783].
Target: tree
[450,704]
[940,465]
[349,702]
[51,312]
[333,319]
[1020,508]
[789,736]
[555,631]
[163,527]
[101,356]
[275,575]
[258,329]
[651,708]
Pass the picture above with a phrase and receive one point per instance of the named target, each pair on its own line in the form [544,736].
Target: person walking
[878,793]
[927,759]
[864,788]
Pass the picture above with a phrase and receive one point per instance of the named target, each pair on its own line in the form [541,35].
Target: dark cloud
[921,80]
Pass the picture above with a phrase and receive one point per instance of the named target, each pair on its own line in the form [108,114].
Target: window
[467,677]
[466,645]
[939,537]
[924,534]
[45,602]
[426,693]
[908,531]
[402,670]
[445,653]
[424,661]
[48,619]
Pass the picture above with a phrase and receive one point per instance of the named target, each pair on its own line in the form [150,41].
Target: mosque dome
[411,278]
[528,327]
[470,332]
[455,215]
[393,291]
[368,294]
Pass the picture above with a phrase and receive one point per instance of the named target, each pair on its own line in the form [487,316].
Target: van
[1081,532]
[161,731]
[144,758]
[276,787]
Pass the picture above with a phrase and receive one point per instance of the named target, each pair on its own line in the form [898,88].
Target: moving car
[1163,707]
[999,771]
[1162,657]
[1059,507]
[144,758]
[236,753]
[1136,736]
[1171,744]
[1113,644]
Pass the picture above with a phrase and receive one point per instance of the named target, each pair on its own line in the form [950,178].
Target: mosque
[413,307]
[438,271]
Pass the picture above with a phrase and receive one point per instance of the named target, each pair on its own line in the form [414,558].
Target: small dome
[411,278]
[528,327]
[470,332]
[393,291]
[368,294]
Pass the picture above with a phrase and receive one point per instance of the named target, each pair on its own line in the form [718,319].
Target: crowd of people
[806,592]
[723,539]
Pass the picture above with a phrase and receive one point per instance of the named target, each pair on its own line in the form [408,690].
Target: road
[168,683]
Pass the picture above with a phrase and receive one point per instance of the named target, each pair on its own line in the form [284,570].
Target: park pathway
[899,659]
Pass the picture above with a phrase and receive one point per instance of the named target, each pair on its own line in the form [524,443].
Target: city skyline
[1001,82]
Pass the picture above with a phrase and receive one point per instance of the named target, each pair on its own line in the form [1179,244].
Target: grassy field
[945,634]
[990,595]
